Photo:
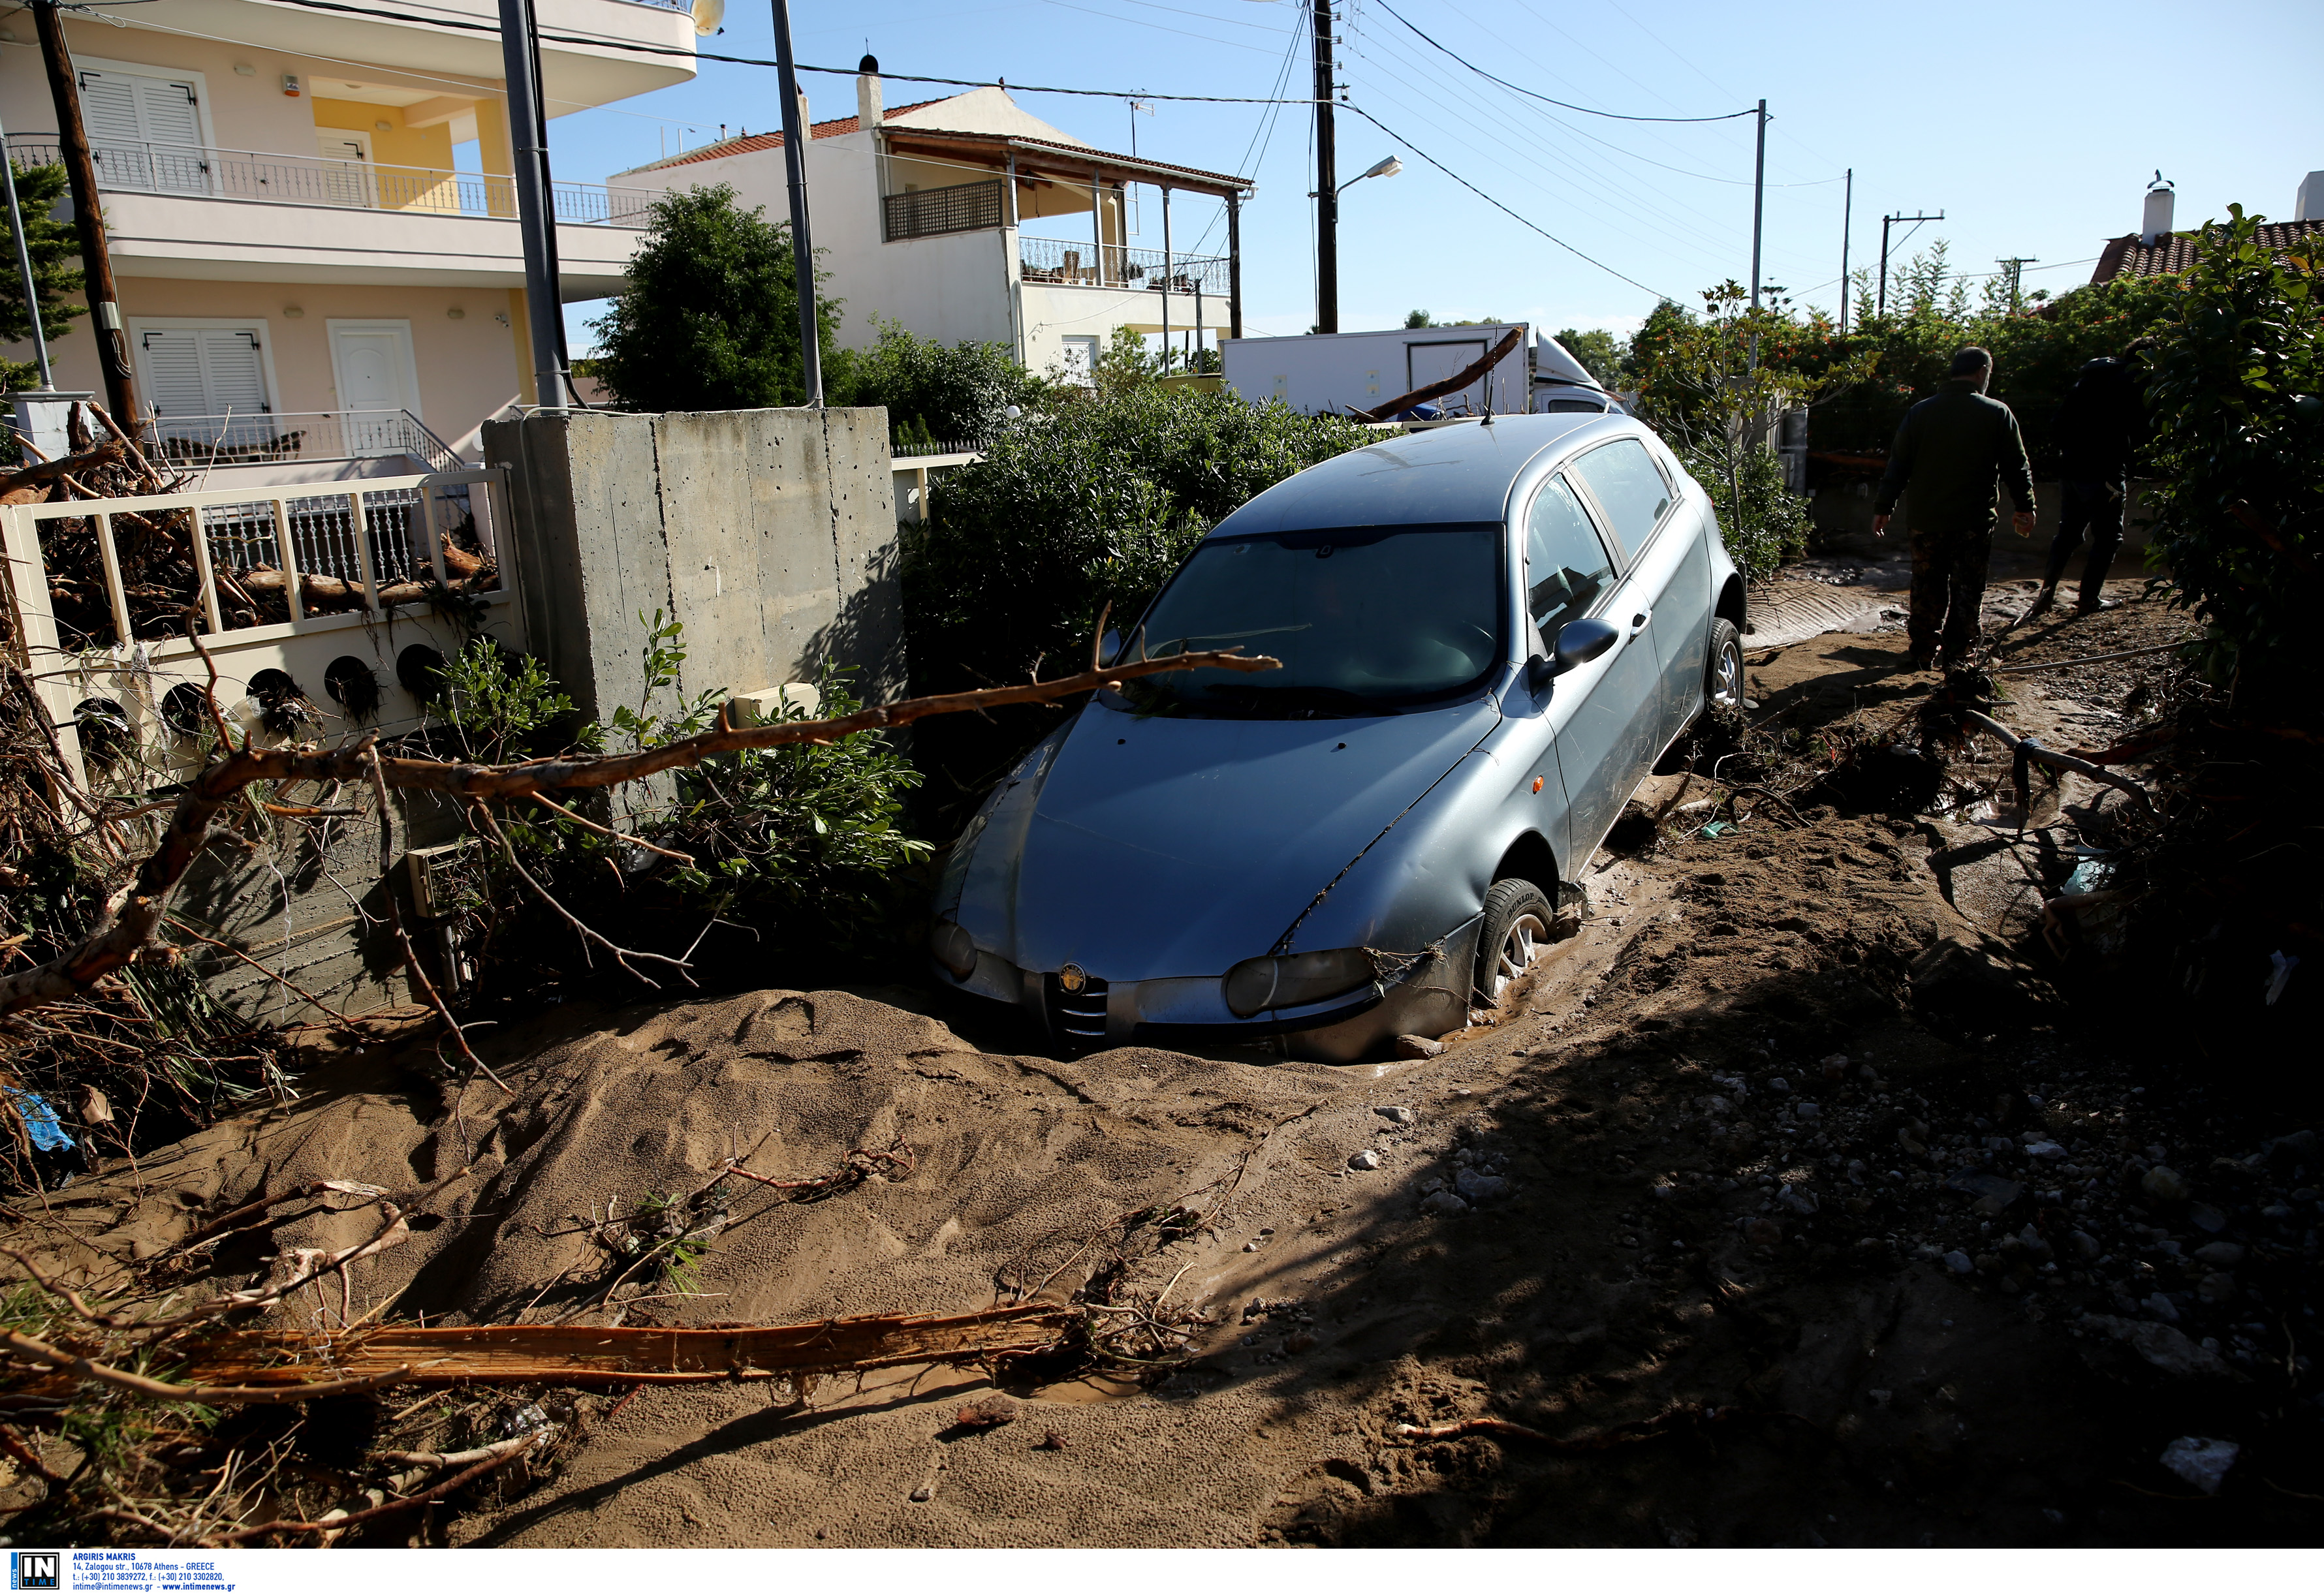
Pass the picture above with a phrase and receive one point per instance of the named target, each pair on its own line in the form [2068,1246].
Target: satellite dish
[707,15]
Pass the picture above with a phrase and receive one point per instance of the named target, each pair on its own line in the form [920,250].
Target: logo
[35,1569]
[1070,979]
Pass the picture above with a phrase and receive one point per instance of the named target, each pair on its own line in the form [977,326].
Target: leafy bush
[710,318]
[1765,524]
[933,393]
[1093,504]
[2238,399]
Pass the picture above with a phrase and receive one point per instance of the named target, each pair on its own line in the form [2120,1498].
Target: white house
[311,267]
[920,214]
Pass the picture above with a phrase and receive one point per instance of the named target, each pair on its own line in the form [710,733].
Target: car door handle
[1638,621]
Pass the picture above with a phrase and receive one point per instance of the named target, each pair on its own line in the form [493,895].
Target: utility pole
[1327,178]
[1881,305]
[88,216]
[2012,267]
[795,133]
[544,306]
[1847,216]
[1759,213]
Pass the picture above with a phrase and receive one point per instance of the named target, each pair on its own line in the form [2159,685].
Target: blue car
[1490,632]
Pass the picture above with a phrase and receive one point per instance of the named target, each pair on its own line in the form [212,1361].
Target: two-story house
[311,223]
[958,217]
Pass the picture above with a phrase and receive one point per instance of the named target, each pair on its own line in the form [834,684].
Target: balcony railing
[309,180]
[197,442]
[929,213]
[1054,259]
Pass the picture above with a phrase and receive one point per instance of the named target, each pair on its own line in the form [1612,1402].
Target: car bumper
[1427,997]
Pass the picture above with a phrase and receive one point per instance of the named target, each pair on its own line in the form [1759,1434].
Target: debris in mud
[991,1412]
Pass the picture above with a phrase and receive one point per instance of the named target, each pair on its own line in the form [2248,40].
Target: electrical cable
[631,47]
[1566,105]
[1495,204]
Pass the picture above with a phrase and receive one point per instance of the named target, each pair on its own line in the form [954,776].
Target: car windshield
[1363,618]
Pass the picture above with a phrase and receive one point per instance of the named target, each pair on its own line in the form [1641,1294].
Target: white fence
[344,633]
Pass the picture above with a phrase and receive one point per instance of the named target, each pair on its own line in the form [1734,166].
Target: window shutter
[108,110]
[173,130]
[173,372]
[231,372]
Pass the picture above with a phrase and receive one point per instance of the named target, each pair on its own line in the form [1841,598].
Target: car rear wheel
[1722,677]
[1515,931]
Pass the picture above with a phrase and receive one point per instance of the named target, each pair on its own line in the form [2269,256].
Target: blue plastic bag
[40,1121]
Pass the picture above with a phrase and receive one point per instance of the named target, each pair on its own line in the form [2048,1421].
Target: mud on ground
[1744,1166]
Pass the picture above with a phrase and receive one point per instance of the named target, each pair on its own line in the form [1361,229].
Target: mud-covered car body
[1209,863]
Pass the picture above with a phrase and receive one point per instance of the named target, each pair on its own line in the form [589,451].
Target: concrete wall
[769,534]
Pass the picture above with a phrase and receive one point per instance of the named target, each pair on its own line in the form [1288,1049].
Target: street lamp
[1388,168]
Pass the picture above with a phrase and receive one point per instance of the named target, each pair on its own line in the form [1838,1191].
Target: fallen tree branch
[131,925]
[2087,659]
[543,799]
[1453,383]
[284,981]
[395,923]
[2026,747]
[47,471]
[137,1384]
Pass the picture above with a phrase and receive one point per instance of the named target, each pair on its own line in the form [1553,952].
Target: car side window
[1566,563]
[1629,486]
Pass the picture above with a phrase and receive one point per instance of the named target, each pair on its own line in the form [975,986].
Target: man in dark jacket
[1951,449]
[2099,428]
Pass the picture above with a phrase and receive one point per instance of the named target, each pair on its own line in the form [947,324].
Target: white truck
[1339,373]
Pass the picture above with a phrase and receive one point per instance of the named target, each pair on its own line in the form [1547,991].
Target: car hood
[1165,846]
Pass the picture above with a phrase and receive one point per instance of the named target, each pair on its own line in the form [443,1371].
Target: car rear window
[1623,478]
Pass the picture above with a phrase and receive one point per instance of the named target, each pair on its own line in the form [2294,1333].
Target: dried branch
[300,992]
[191,827]
[2027,748]
[543,799]
[499,1458]
[137,1384]
[395,923]
[622,956]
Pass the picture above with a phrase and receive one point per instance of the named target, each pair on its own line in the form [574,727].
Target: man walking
[1951,448]
[2099,428]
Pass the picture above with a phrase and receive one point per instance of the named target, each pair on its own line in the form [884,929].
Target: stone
[1478,1189]
[991,1413]
[1365,1161]
[1798,1199]
[2217,1289]
[1443,1204]
[1834,1067]
[1761,1232]
[2205,1218]
[1664,1192]
[2220,1253]
[2165,1184]
[2162,1307]
[2201,1462]
[1395,1115]
[1418,1047]
[2086,1245]
[2163,1346]
[1779,1084]
[1960,1262]
[2048,1151]
[1299,1342]
[1807,1110]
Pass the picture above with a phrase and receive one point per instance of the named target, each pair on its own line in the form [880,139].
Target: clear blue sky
[2034,129]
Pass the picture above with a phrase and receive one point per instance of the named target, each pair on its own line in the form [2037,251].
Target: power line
[1495,204]
[1565,105]
[603,43]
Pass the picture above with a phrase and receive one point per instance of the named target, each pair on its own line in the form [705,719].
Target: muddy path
[1784,1203]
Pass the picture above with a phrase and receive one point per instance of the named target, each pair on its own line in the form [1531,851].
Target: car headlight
[1256,984]
[953,948]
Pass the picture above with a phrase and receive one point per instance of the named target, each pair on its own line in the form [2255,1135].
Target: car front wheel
[1515,931]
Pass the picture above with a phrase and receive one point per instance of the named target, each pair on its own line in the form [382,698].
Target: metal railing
[197,172]
[1054,260]
[196,442]
[929,213]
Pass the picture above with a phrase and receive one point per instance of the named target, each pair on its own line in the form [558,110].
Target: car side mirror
[1580,641]
[1538,670]
[1109,647]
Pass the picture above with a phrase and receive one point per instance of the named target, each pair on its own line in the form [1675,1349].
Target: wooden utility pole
[88,216]
[1327,179]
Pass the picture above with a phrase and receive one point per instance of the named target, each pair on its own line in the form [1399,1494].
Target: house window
[196,376]
[1080,361]
[145,130]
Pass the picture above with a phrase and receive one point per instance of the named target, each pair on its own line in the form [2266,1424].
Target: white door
[206,384]
[144,132]
[378,384]
[344,178]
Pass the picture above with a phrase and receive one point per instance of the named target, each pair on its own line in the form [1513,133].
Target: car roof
[1460,472]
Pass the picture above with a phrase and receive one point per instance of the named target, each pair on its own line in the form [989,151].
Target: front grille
[1077,1018]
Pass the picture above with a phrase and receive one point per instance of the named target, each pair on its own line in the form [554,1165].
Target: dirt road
[1782,1205]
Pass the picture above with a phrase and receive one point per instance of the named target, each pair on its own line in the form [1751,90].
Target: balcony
[181,211]
[1054,259]
[281,439]
[930,213]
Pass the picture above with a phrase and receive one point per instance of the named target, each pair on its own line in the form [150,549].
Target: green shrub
[934,394]
[1764,522]
[2238,398]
